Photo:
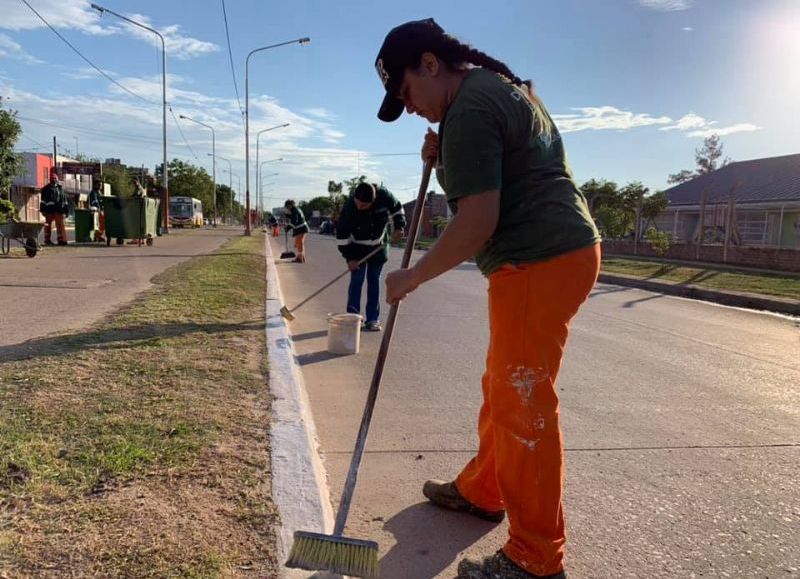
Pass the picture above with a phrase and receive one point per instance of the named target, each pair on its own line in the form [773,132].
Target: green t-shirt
[487,142]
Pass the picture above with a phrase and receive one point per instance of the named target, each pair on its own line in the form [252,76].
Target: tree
[613,209]
[351,184]
[337,198]
[652,206]
[117,177]
[707,159]
[324,205]
[10,162]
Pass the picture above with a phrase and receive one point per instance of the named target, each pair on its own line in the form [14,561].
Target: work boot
[498,566]
[48,242]
[445,494]
[62,242]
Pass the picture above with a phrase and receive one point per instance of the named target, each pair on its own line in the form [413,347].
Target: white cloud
[696,126]
[178,46]
[10,49]
[605,118]
[76,14]
[686,122]
[723,131]
[319,112]
[666,5]
[79,15]
[687,29]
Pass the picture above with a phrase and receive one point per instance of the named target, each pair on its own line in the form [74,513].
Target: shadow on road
[428,540]
[309,335]
[111,338]
[315,357]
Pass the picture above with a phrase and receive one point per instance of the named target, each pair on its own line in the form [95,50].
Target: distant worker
[138,191]
[273,223]
[296,222]
[96,204]
[360,230]
[54,206]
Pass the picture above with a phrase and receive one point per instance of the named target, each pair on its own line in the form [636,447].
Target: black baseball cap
[401,48]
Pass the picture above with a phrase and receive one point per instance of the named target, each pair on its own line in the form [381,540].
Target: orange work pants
[60,229]
[520,460]
[300,245]
[275,231]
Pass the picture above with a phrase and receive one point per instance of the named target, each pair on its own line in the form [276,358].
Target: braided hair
[456,55]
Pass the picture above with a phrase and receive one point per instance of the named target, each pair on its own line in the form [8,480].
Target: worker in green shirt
[296,222]
[518,211]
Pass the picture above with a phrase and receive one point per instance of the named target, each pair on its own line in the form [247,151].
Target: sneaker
[372,326]
[445,494]
[498,566]
[48,242]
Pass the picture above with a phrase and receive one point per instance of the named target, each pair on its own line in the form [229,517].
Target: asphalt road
[67,288]
[681,423]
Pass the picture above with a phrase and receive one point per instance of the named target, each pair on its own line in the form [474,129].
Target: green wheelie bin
[131,218]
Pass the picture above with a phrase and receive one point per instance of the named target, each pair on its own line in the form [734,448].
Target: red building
[25,188]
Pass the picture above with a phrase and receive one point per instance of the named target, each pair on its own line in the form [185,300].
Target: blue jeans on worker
[372,272]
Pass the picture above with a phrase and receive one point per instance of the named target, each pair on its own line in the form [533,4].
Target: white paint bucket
[344,333]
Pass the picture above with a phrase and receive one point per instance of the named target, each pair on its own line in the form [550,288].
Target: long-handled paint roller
[287,254]
[336,553]
[289,314]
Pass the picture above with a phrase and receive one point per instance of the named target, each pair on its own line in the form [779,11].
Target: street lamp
[258,174]
[300,41]
[213,162]
[238,187]
[165,192]
[260,198]
[258,136]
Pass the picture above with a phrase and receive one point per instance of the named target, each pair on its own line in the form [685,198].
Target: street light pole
[213,162]
[247,122]
[260,178]
[258,136]
[165,192]
[259,201]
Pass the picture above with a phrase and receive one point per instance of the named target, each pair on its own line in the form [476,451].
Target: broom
[287,254]
[289,314]
[336,553]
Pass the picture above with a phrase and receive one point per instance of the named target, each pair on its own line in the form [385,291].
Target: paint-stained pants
[60,228]
[520,460]
[300,245]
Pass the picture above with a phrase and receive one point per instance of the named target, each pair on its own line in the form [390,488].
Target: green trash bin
[86,224]
[131,218]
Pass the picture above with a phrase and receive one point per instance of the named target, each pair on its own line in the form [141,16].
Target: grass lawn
[138,447]
[784,286]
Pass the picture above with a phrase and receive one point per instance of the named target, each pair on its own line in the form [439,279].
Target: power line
[78,52]
[106,134]
[92,131]
[177,124]
[230,55]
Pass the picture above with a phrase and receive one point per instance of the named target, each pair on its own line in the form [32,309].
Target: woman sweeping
[296,221]
[502,164]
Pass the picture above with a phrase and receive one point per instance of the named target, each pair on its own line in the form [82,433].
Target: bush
[660,241]
[7,210]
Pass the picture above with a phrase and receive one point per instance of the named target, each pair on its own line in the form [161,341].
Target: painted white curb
[299,481]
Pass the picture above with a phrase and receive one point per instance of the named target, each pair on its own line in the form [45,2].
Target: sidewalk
[67,288]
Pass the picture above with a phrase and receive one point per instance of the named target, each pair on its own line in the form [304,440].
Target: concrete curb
[741,300]
[299,481]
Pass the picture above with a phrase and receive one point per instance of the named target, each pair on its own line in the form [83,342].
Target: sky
[633,85]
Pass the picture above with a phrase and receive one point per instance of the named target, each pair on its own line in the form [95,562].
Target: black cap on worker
[402,48]
[365,192]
